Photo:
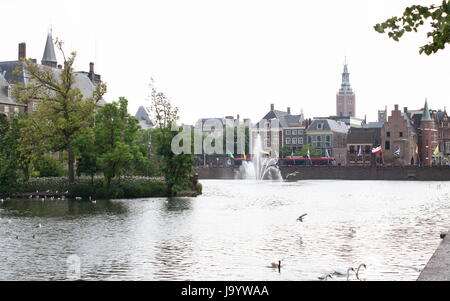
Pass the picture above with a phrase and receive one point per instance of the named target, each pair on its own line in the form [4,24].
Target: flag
[309,154]
[360,153]
[377,150]
[245,157]
[437,152]
[417,149]
[397,152]
[327,154]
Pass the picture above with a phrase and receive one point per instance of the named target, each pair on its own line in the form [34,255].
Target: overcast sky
[218,58]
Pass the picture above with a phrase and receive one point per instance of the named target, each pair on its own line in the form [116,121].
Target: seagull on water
[300,219]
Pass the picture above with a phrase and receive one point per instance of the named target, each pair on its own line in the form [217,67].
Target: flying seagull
[300,219]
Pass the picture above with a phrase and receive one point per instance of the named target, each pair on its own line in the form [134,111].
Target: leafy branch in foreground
[438,17]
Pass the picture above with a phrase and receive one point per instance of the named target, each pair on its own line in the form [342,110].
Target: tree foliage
[63,111]
[115,132]
[9,157]
[176,169]
[437,16]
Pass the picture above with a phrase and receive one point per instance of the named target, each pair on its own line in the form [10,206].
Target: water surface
[234,231]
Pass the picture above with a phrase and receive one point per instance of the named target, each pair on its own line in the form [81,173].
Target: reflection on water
[232,232]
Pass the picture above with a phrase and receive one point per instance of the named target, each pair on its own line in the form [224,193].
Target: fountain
[260,168]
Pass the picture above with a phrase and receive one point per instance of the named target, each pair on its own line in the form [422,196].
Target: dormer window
[320,126]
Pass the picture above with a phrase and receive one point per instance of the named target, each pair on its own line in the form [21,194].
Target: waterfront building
[143,115]
[329,136]
[361,141]
[291,132]
[400,139]
[382,115]
[12,72]
[345,98]
[349,121]
[429,138]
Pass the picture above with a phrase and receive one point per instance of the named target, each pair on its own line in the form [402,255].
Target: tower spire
[49,57]
[426,112]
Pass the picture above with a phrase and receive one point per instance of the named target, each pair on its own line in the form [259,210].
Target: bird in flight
[300,219]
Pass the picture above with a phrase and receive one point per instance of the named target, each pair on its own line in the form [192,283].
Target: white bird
[94,202]
[325,277]
[39,226]
[342,272]
[359,268]
[300,219]
[78,198]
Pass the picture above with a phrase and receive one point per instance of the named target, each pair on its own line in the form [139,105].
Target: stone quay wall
[379,173]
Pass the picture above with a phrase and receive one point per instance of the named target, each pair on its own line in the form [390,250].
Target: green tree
[9,159]
[115,133]
[176,168]
[87,154]
[62,112]
[315,153]
[285,151]
[437,16]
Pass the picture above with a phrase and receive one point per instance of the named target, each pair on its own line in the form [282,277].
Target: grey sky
[217,58]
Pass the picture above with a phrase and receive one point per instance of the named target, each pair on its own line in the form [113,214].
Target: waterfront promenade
[438,268]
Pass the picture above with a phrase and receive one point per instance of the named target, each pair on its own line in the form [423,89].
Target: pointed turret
[426,112]
[345,86]
[346,97]
[49,57]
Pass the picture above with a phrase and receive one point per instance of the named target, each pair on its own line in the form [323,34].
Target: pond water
[234,231]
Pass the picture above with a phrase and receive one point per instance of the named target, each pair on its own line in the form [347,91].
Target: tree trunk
[71,162]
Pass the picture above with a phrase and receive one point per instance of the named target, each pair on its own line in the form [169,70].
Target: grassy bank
[124,188]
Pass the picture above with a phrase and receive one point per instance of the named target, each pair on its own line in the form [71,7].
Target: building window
[294,132]
[300,132]
[352,149]
[294,140]
[309,140]
[387,145]
[300,140]
[6,109]
[401,134]
[388,134]
[35,107]
[288,132]
[288,140]
[320,126]
[16,109]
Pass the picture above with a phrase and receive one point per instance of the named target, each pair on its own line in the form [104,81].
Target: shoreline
[360,173]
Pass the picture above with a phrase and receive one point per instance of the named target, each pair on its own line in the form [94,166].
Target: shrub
[81,190]
[49,167]
[199,188]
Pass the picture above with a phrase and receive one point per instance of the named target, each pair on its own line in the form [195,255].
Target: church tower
[49,57]
[429,139]
[345,99]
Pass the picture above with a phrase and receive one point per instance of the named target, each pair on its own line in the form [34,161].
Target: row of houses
[406,137]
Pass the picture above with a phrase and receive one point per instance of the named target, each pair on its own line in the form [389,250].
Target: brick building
[400,139]
[429,140]
[345,98]
[361,141]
